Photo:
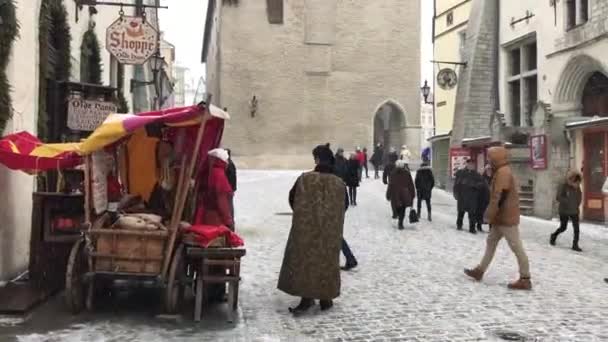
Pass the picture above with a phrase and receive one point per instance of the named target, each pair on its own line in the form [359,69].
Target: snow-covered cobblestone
[409,285]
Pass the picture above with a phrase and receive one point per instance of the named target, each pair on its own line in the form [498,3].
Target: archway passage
[389,123]
[595,96]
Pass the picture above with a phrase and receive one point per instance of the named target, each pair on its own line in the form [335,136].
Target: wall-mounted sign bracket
[526,19]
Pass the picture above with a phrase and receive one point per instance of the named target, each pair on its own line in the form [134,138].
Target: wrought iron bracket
[526,18]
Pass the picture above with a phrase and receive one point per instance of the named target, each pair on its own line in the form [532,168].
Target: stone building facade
[537,71]
[345,72]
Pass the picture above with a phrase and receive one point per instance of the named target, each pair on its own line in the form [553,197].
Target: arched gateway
[389,125]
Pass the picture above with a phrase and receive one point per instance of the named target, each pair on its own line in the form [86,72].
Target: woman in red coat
[215,197]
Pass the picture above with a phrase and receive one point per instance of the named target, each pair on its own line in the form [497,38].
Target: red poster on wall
[538,152]
[458,159]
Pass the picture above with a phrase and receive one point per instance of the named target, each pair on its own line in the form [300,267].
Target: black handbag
[413,216]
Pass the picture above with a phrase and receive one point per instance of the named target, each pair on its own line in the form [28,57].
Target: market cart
[124,239]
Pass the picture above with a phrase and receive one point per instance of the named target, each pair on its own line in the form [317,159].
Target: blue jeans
[348,254]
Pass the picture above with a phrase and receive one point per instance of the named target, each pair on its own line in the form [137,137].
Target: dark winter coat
[389,166]
[401,191]
[377,157]
[569,196]
[352,172]
[231,174]
[341,167]
[469,188]
[425,182]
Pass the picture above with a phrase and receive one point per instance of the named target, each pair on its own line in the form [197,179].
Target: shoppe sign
[131,40]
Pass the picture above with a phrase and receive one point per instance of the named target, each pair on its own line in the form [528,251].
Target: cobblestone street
[409,285]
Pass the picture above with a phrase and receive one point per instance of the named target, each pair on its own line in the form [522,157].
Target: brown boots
[475,273]
[520,284]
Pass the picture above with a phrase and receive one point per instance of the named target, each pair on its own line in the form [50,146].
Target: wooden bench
[204,258]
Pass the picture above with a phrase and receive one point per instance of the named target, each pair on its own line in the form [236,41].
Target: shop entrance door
[595,172]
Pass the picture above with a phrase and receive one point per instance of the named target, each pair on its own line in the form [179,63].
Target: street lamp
[157,63]
[426,92]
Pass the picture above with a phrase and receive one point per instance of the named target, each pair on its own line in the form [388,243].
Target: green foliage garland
[123,106]
[9,31]
[90,57]
[53,30]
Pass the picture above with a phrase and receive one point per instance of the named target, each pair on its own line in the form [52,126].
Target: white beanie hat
[219,153]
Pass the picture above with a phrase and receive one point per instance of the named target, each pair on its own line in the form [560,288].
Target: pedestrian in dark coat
[392,158]
[401,191]
[425,182]
[340,166]
[365,162]
[569,197]
[376,160]
[352,178]
[468,188]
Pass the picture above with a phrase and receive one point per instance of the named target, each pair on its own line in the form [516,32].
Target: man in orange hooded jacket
[503,216]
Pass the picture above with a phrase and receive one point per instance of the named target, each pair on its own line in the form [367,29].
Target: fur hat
[220,154]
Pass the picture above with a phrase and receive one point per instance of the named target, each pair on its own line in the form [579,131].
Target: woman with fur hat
[569,196]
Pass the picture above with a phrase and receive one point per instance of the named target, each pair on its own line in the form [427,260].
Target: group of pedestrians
[320,199]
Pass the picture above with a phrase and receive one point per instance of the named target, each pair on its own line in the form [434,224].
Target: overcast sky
[184,21]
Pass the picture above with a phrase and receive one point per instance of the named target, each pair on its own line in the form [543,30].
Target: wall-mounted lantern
[253,106]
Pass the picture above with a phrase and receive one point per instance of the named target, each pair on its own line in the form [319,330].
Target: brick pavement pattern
[409,285]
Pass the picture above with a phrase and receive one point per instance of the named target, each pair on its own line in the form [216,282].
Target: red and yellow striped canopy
[23,151]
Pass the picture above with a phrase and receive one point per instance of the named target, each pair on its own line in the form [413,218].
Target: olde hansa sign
[87,115]
[131,40]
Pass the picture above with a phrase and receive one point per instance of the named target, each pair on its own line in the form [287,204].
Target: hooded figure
[425,182]
[311,268]
[405,154]
[569,197]
[401,191]
[217,194]
[503,216]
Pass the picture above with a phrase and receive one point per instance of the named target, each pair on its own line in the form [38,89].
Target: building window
[522,83]
[450,19]
[463,44]
[577,13]
[584,11]
[274,8]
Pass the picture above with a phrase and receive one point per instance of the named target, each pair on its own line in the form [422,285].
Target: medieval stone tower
[297,73]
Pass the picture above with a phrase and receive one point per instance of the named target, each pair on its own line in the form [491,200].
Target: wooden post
[181,201]
[87,189]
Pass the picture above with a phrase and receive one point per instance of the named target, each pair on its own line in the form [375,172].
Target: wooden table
[201,259]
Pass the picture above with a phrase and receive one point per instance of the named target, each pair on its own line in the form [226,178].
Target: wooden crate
[128,251]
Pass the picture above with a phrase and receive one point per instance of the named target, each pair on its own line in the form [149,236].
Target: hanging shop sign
[87,115]
[538,152]
[447,79]
[132,40]
[458,159]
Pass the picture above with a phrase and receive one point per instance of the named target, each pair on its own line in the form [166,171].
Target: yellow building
[450,25]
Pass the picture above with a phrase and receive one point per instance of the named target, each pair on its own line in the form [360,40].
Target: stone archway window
[595,96]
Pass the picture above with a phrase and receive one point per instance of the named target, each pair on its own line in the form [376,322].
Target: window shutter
[274,8]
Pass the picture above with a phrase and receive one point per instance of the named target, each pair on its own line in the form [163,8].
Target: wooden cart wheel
[74,278]
[174,291]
